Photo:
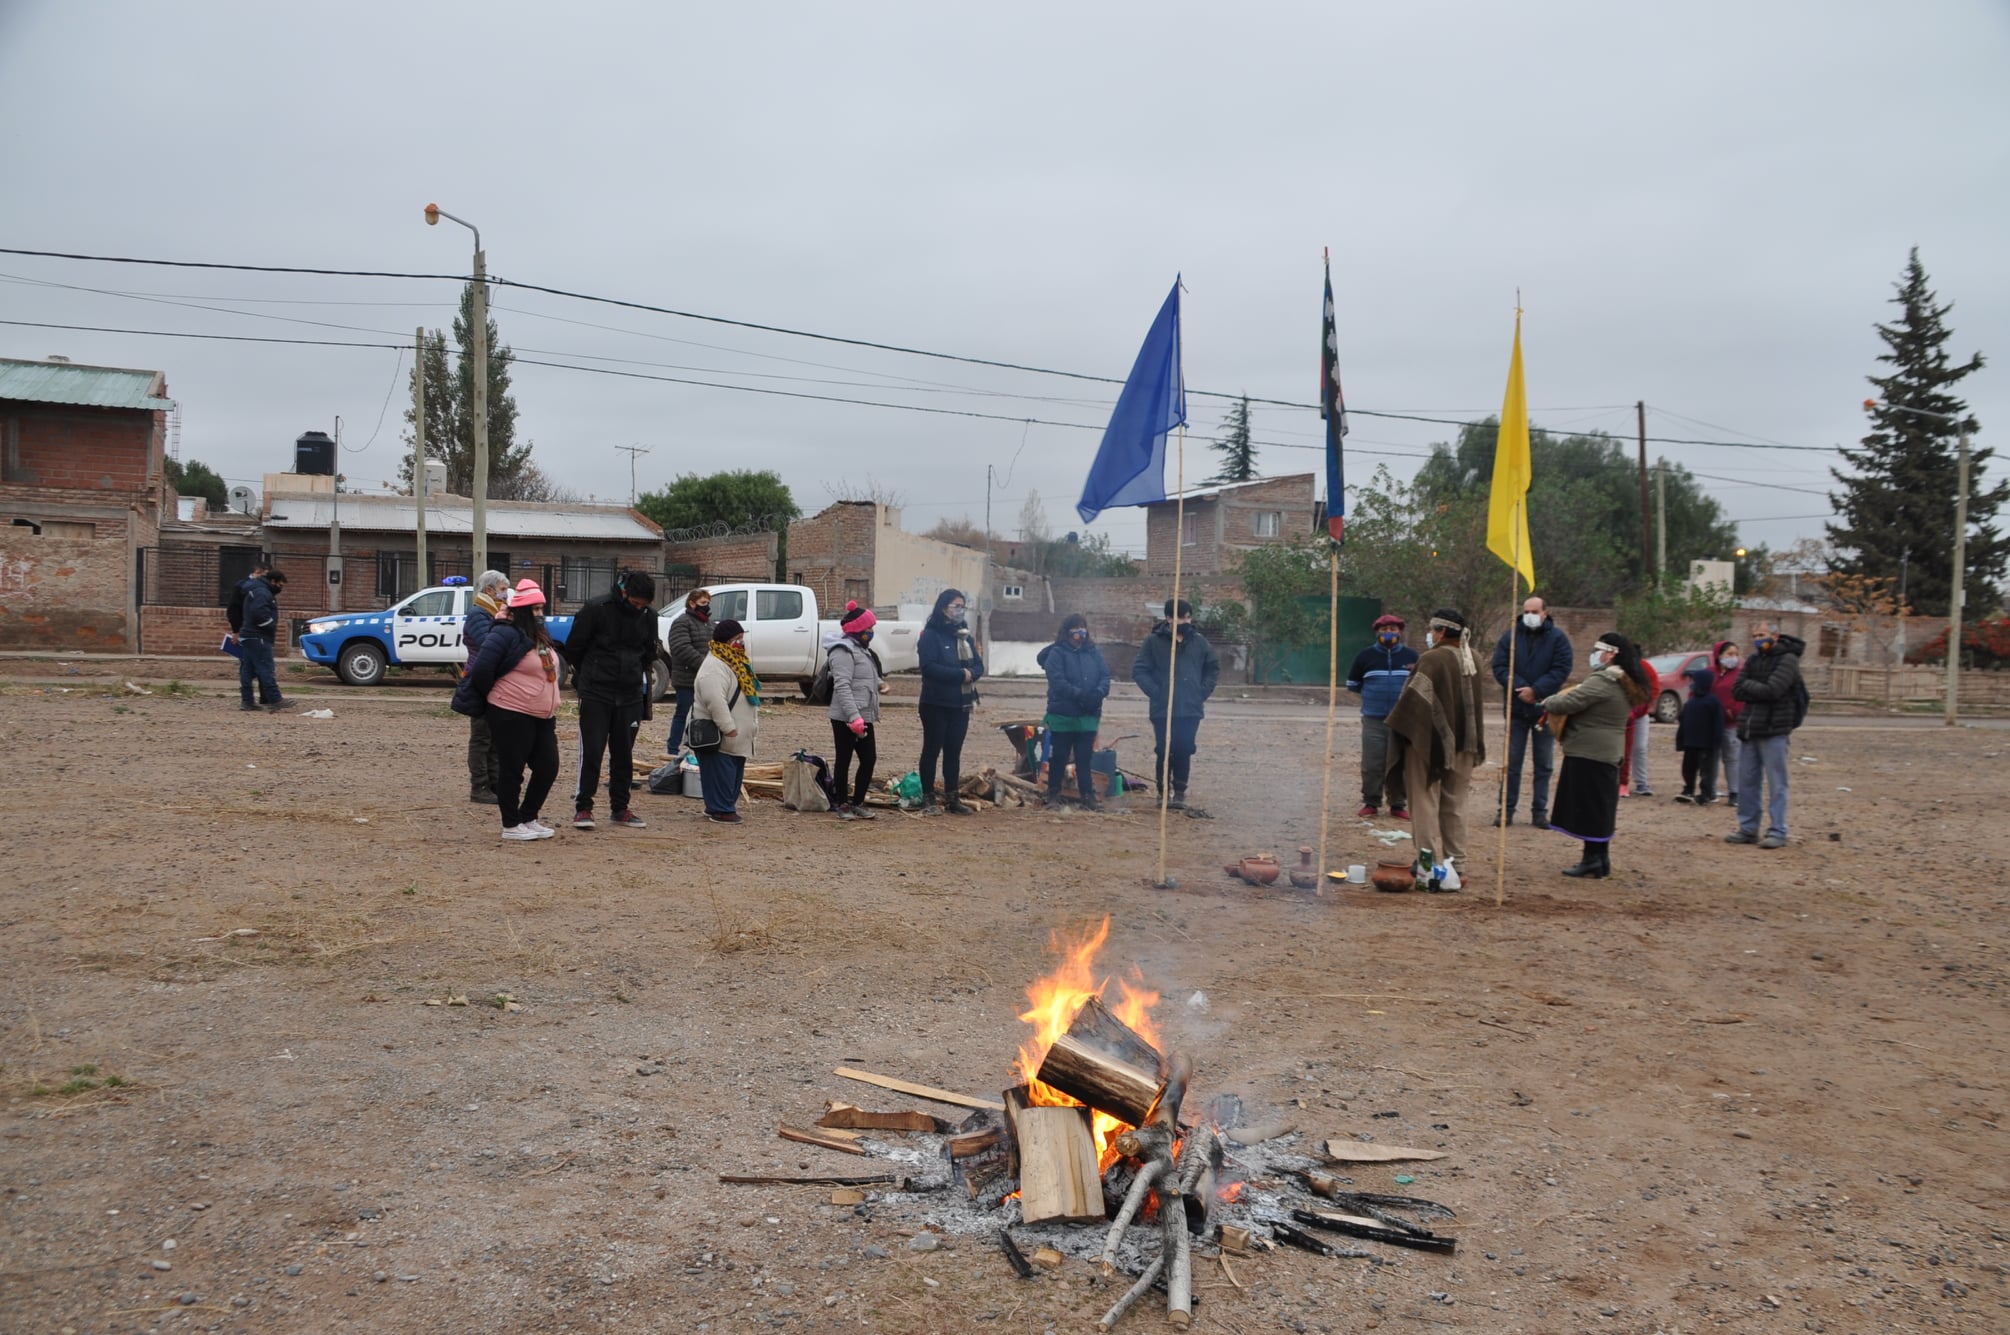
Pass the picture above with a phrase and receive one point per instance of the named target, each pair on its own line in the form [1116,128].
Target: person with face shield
[1541,667]
[1377,676]
[1595,713]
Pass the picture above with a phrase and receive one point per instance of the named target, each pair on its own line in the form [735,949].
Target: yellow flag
[1507,508]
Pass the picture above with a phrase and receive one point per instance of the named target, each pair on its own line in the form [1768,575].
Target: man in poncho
[1435,737]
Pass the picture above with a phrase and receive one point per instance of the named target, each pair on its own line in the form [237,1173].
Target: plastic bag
[908,789]
[800,789]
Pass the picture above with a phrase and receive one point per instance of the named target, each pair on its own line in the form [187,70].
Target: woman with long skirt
[1595,714]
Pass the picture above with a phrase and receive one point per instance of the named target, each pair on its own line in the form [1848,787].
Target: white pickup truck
[785,640]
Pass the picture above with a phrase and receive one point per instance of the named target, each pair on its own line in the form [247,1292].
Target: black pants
[1700,762]
[942,731]
[481,756]
[866,748]
[1077,749]
[522,739]
[1185,732]
[611,728]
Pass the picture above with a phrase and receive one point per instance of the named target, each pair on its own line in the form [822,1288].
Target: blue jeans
[255,660]
[1767,757]
[1728,748]
[719,776]
[1519,732]
[685,695]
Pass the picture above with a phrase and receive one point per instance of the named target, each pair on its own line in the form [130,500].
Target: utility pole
[335,527]
[633,452]
[480,487]
[419,450]
[1660,519]
[1960,594]
[1646,524]
[984,598]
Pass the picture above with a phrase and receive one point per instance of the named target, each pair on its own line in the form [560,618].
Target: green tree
[196,478]
[1417,551]
[1238,452]
[1894,512]
[1583,510]
[1286,584]
[450,415]
[1669,618]
[735,500]
[1078,557]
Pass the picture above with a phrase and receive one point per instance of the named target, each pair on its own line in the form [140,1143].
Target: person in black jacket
[233,611]
[1697,732]
[1189,677]
[951,667]
[690,643]
[256,626]
[1774,698]
[611,645]
[489,597]
[1541,666]
[1078,681]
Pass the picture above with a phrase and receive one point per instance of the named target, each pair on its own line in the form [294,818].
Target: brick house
[857,551]
[1224,521]
[82,494]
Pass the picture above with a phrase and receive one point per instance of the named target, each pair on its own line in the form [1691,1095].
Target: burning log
[1200,1158]
[1058,1175]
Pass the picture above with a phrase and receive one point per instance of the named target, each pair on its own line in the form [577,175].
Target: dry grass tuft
[733,932]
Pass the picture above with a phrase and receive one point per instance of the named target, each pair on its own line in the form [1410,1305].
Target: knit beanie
[857,620]
[526,594]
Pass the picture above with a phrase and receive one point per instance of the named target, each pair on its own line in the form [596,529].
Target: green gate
[1305,665]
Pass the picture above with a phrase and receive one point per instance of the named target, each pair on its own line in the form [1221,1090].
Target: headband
[1606,646]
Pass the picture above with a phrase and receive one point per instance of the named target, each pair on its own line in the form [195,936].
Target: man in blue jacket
[1377,676]
[256,627]
[1189,676]
[1542,664]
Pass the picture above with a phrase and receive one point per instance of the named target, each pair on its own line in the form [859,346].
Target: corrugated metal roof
[86,386]
[455,515]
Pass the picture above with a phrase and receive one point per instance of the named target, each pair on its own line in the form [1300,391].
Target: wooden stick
[859,1119]
[1173,1244]
[1137,1290]
[1014,1255]
[1507,709]
[1172,648]
[1146,1176]
[919,1091]
[821,1139]
[814,1180]
[1332,702]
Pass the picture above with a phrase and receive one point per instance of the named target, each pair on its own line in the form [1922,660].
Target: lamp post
[1955,597]
[479,486]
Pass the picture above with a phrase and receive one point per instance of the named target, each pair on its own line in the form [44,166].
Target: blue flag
[1332,407]
[1130,466]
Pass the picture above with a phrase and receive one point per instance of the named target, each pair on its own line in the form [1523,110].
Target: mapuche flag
[1332,407]
[1130,464]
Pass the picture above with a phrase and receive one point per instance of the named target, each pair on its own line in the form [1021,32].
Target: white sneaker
[543,831]
[520,833]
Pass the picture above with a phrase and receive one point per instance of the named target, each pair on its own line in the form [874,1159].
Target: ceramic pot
[1260,870]
[1392,877]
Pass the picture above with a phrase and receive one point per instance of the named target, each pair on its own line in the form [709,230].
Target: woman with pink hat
[517,673]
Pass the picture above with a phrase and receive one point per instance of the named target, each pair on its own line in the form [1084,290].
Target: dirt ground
[1728,1089]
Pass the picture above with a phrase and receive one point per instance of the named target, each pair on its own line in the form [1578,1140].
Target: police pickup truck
[423,630]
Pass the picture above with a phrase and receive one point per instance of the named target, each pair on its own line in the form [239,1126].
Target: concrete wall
[193,631]
[908,568]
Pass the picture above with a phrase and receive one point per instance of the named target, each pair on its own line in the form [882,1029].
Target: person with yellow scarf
[726,692]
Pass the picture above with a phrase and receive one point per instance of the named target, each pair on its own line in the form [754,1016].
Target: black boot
[1605,859]
[1589,864]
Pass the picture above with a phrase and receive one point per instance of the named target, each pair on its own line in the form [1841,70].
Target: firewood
[1014,1255]
[1200,1156]
[823,1139]
[1145,1143]
[1137,1290]
[1173,1243]
[962,1147]
[815,1180]
[1129,1211]
[1356,1151]
[858,1119]
[1058,1175]
[919,1091]
[1102,1061]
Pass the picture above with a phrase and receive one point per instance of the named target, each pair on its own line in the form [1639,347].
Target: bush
[1984,644]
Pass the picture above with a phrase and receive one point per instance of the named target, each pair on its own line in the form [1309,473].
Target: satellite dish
[243,500]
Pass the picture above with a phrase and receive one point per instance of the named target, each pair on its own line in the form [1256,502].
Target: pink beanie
[526,594]
[857,620]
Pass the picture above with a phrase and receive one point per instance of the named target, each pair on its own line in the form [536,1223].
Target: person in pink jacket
[517,673]
[1726,663]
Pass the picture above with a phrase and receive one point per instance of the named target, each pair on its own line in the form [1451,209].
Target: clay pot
[1260,870]
[1392,877]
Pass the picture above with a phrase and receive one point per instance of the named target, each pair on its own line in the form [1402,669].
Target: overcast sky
[1703,206]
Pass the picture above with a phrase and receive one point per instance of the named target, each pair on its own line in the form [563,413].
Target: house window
[1012,591]
[1189,534]
[1269,523]
[857,591]
[1834,642]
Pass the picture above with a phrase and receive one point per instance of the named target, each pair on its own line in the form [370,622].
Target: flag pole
[1332,703]
[1172,655]
[1507,729]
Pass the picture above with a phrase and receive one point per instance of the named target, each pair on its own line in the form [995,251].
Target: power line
[784,330]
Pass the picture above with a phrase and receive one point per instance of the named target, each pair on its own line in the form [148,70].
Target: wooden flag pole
[1332,702]
[1172,657]
[1507,727]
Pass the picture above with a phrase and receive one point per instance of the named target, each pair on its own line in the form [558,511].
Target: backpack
[1798,698]
[821,688]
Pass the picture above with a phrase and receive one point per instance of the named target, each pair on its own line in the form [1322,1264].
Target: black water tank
[314,452]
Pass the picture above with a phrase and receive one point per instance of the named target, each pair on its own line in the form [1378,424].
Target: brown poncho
[1438,713]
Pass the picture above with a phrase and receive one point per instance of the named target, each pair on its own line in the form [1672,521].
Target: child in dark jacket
[1696,735]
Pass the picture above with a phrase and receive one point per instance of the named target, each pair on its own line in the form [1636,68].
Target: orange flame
[1055,1000]
[1233,1191]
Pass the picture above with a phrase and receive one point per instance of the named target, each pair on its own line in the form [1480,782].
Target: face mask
[1598,660]
[1389,638]
[1763,643]
[703,611]
[864,637]
[1728,661]
[1533,620]
[1430,639]
[1078,635]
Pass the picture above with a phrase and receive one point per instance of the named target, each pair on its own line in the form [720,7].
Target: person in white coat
[727,693]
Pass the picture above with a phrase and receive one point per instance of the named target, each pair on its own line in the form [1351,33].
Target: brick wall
[67,593]
[84,449]
[734,559]
[1226,523]
[193,631]
[832,552]
[303,556]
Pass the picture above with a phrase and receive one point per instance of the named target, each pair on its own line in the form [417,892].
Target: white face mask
[1728,661]
[1430,639]
[1533,620]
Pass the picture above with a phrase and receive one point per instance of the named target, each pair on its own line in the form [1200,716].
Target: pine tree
[1238,452]
[450,413]
[1895,513]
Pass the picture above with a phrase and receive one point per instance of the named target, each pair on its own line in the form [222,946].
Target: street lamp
[480,485]
[1960,549]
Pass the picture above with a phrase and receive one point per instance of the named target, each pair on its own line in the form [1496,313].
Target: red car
[1674,670]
